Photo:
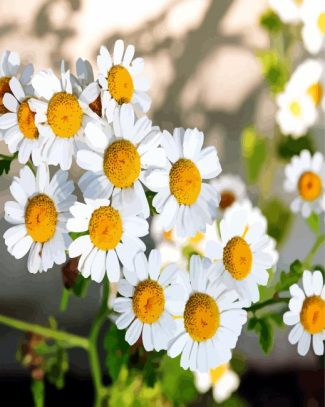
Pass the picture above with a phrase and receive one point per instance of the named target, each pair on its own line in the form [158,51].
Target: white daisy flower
[243,252]
[307,313]
[182,199]
[120,160]
[40,212]
[305,176]
[212,320]
[223,380]
[287,10]
[61,115]
[120,78]
[148,296]
[313,31]
[110,234]
[231,189]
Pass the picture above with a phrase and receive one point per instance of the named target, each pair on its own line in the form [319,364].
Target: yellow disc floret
[26,121]
[315,91]
[312,314]
[185,181]
[148,301]
[64,114]
[41,218]
[227,199]
[310,186]
[105,228]
[321,23]
[295,108]
[120,84]
[218,372]
[4,88]
[237,258]
[122,163]
[96,106]
[201,317]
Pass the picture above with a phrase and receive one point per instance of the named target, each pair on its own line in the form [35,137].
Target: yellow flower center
[321,23]
[148,301]
[315,91]
[218,372]
[201,317]
[185,181]
[312,314]
[295,108]
[120,84]
[26,121]
[122,163]
[310,186]
[64,114]
[168,235]
[105,228]
[4,88]
[238,258]
[227,199]
[41,218]
[196,239]
[96,106]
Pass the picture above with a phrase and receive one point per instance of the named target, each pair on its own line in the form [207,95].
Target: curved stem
[310,256]
[271,301]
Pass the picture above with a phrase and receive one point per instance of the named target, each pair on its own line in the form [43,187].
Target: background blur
[199,56]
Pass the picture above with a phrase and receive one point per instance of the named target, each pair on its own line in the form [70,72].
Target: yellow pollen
[148,301]
[295,108]
[312,314]
[310,186]
[4,88]
[26,121]
[41,218]
[122,163]
[321,23]
[168,235]
[64,114]
[218,372]
[201,317]
[96,106]
[185,181]
[298,2]
[237,258]
[196,239]
[105,228]
[227,199]
[120,84]
[315,91]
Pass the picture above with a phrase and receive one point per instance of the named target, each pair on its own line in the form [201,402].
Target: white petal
[112,266]
[133,332]
[304,343]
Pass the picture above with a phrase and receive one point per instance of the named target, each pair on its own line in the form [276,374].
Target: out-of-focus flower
[313,31]
[231,189]
[29,356]
[307,313]
[40,212]
[287,10]
[305,176]
[223,380]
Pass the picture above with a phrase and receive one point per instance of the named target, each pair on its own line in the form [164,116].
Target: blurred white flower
[313,31]
[287,10]
[231,189]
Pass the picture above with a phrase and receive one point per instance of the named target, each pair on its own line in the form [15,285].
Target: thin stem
[71,339]
[64,299]
[310,256]
[266,303]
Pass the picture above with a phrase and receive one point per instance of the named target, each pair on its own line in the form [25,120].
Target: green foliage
[38,392]
[290,277]
[117,351]
[150,195]
[80,286]
[254,151]
[274,69]
[75,235]
[271,22]
[5,162]
[278,217]
[264,329]
[313,221]
[289,146]
[151,366]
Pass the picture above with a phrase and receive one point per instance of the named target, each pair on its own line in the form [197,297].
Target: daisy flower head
[223,380]
[110,235]
[183,200]
[242,252]
[121,80]
[121,159]
[147,296]
[307,313]
[212,320]
[62,112]
[40,212]
[231,189]
[313,31]
[287,10]
[305,176]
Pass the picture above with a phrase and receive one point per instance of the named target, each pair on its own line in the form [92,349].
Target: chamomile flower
[121,80]
[287,10]
[223,380]
[148,296]
[183,200]
[231,189]
[110,235]
[307,313]
[211,322]
[243,252]
[305,176]
[39,213]
[313,31]
[119,161]
[61,115]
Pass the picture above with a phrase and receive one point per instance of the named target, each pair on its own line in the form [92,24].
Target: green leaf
[56,366]
[313,221]
[271,22]
[266,335]
[276,318]
[150,368]
[279,218]
[117,351]
[150,195]
[274,69]
[75,235]
[38,392]
[289,146]
[5,162]
[254,151]
[80,286]
[290,277]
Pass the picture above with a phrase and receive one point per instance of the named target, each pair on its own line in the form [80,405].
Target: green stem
[266,303]
[64,299]
[71,339]
[310,256]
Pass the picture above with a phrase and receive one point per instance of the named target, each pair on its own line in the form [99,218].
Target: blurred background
[200,58]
